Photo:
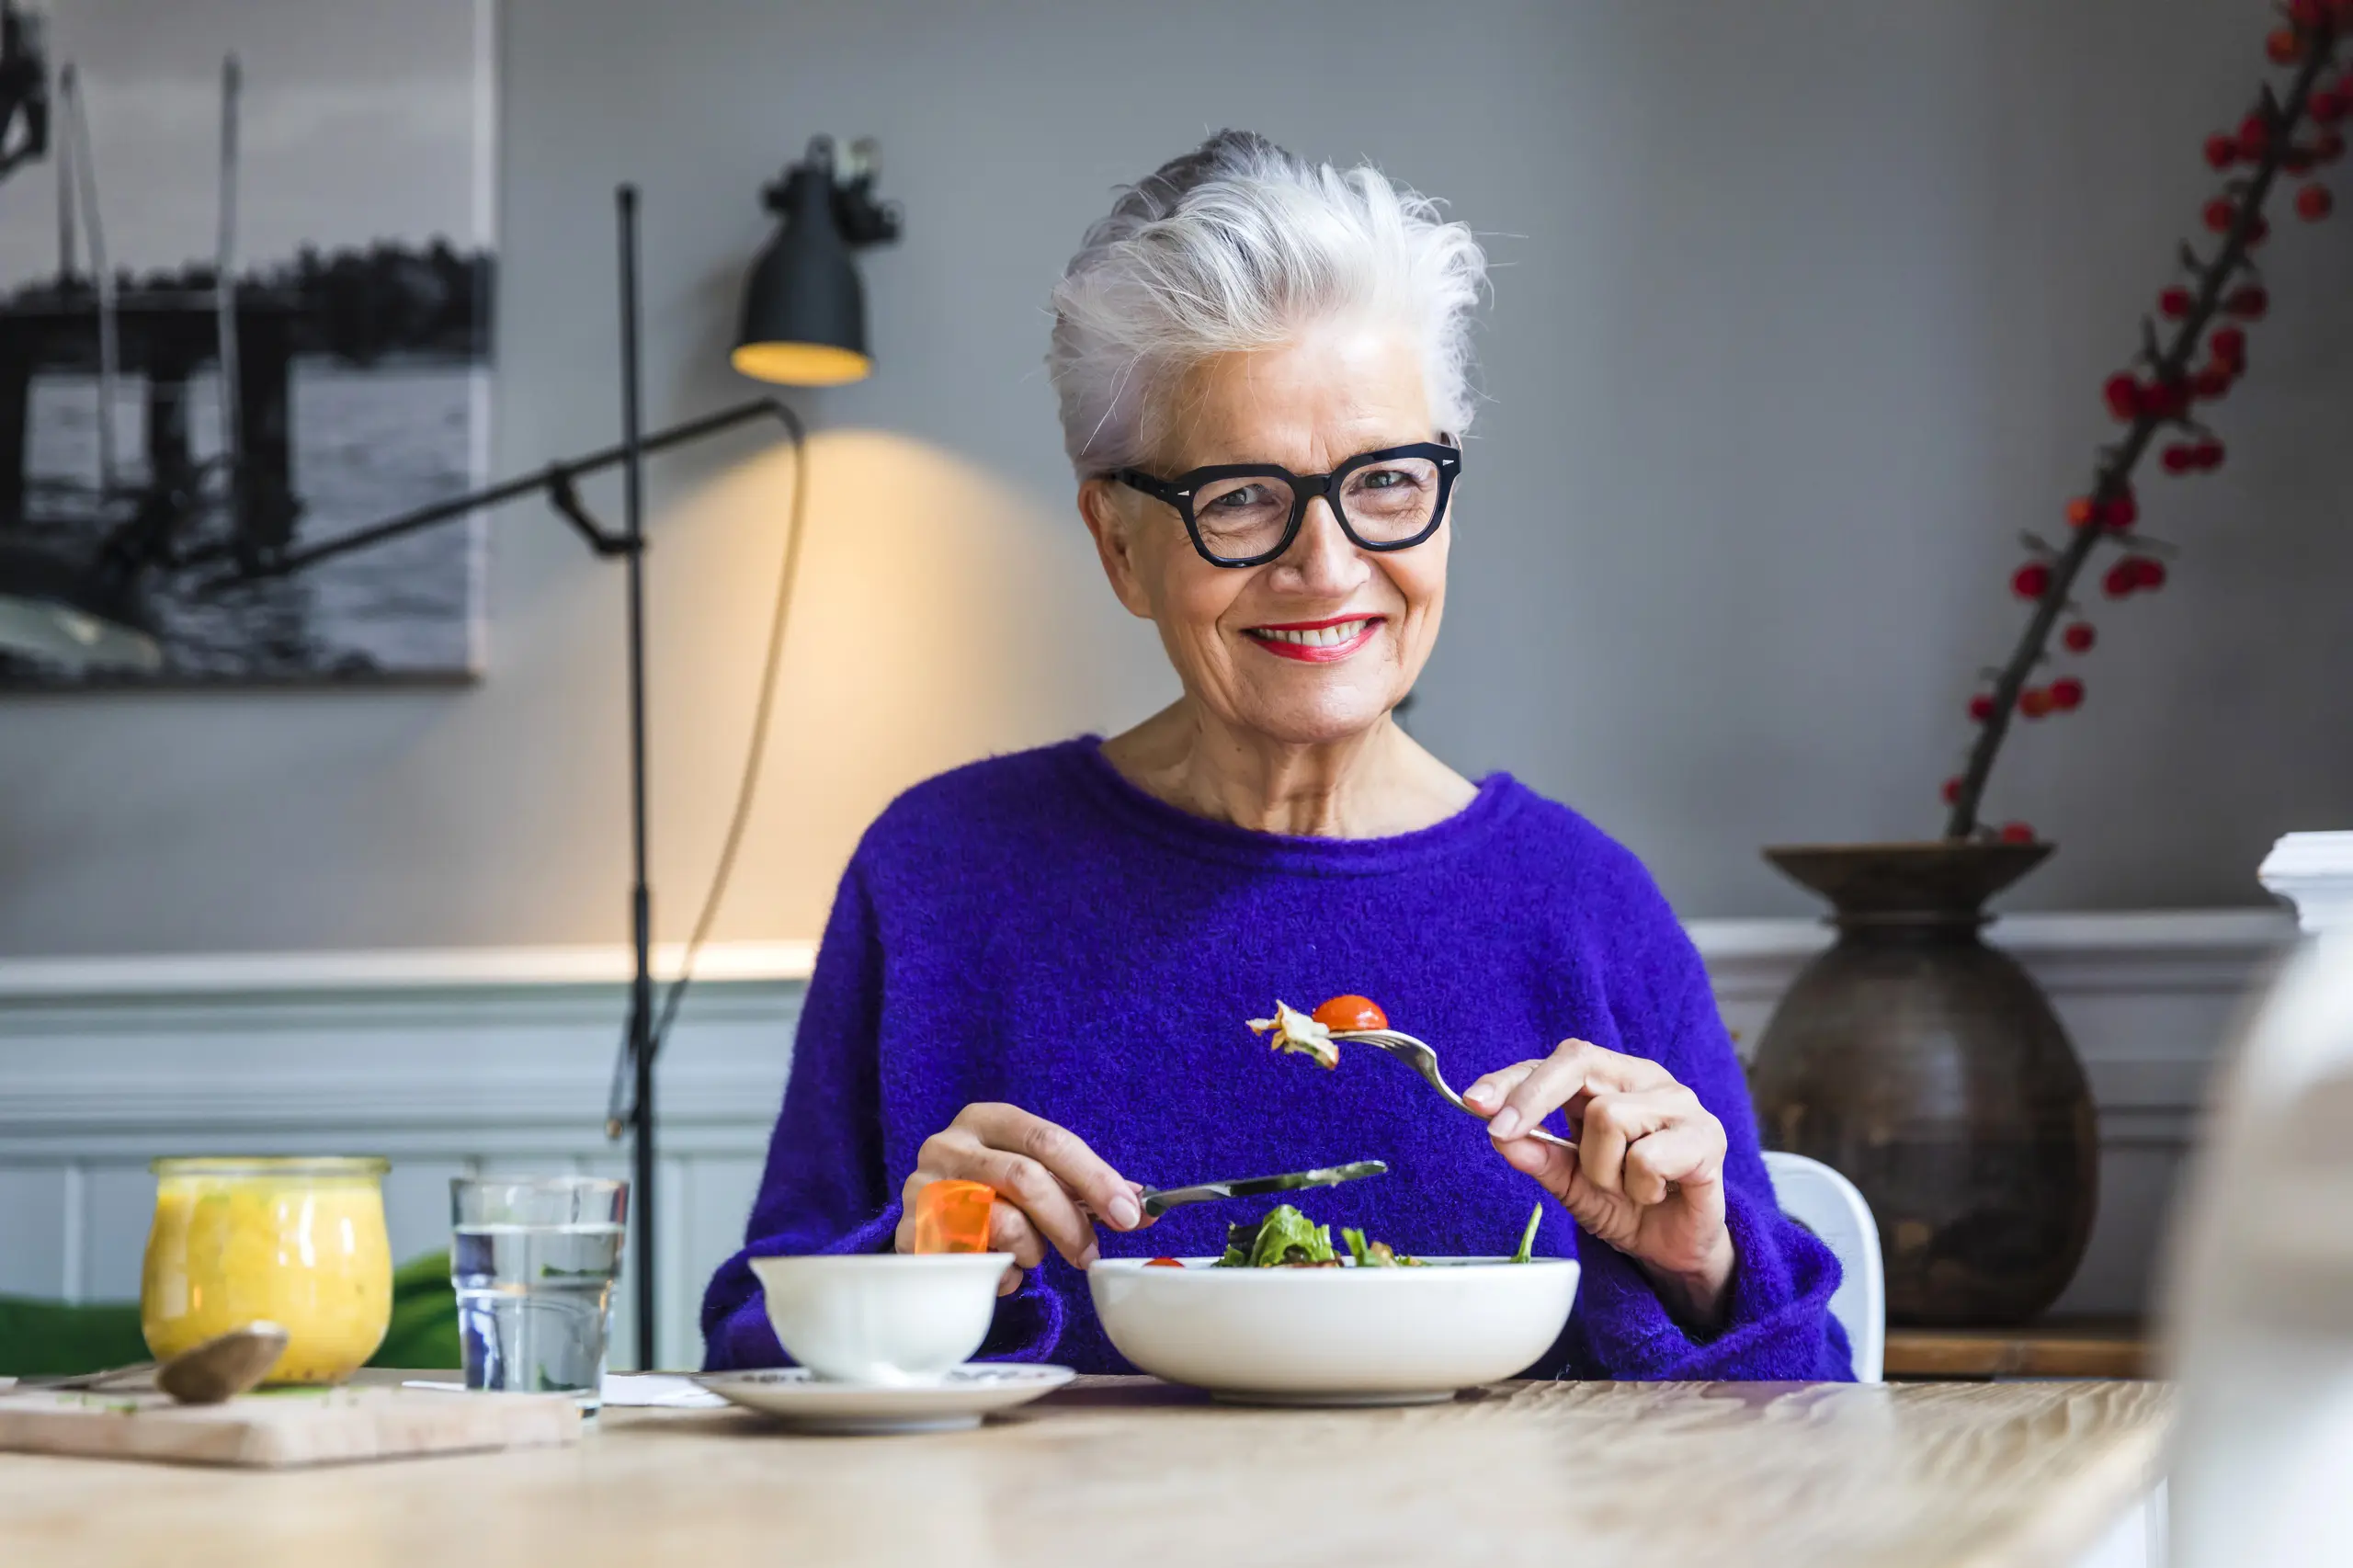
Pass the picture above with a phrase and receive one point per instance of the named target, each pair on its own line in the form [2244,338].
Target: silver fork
[1414,1053]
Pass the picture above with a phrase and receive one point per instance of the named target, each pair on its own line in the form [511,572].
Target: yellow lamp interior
[802,364]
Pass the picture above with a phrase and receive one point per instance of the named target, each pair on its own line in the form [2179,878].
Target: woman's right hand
[1050,1185]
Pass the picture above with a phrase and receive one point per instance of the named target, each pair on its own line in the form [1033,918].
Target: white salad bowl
[882,1318]
[1344,1335]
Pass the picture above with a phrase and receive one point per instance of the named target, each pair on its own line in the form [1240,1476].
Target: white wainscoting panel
[448,1065]
[457,1062]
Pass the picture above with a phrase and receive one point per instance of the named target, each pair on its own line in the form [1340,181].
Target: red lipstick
[1306,652]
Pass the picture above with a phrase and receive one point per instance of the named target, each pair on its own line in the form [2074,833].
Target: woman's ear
[1099,506]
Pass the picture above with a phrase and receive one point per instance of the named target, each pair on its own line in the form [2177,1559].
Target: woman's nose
[1321,554]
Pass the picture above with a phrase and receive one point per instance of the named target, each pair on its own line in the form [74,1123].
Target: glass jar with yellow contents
[299,1242]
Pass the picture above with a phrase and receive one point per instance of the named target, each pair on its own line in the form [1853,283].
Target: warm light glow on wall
[942,616]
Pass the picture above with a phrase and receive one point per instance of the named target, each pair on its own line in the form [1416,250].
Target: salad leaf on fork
[1295,1032]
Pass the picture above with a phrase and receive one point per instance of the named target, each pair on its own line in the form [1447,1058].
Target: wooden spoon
[219,1368]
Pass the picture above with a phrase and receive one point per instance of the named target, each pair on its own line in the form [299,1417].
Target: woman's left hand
[1647,1175]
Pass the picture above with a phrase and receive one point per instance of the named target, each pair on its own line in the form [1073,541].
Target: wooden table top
[2055,1348]
[1130,1471]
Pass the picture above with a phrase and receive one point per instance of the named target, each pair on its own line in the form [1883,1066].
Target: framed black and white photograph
[245,279]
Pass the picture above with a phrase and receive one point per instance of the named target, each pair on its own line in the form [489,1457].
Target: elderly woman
[1038,968]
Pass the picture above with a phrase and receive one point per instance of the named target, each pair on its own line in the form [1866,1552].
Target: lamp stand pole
[558,482]
[640,897]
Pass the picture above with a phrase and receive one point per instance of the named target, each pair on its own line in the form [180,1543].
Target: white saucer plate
[953,1403]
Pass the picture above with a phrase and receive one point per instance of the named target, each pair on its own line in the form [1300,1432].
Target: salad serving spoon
[1415,1054]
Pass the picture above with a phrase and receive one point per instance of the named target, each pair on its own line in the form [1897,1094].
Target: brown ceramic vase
[1930,1068]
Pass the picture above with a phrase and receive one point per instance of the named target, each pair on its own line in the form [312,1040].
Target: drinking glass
[533,1259]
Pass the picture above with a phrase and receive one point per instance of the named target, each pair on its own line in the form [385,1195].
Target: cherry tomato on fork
[1351,1013]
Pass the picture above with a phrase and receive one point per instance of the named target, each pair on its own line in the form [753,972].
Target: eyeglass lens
[1388,501]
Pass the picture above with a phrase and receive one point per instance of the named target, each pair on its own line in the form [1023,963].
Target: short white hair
[1236,246]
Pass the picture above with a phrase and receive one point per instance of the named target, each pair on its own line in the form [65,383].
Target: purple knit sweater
[1035,929]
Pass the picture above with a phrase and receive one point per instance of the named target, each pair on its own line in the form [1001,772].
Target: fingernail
[1504,1123]
[1086,1258]
[1126,1212]
[1478,1093]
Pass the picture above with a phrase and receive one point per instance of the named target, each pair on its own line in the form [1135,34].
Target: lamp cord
[747,787]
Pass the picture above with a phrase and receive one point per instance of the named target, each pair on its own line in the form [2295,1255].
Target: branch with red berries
[2160,398]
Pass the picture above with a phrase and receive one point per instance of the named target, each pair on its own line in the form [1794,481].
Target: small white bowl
[887,1318]
[1342,1335]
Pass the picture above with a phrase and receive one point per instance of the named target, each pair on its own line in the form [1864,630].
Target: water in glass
[534,1264]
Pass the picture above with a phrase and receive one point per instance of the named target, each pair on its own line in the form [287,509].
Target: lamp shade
[804,309]
[76,616]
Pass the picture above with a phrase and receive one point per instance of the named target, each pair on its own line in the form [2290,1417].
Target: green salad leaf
[1527,1252]
[1283,1236]
[1376,1254]
[1285,1239]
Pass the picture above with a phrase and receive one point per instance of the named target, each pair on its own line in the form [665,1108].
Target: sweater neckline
[1498,797]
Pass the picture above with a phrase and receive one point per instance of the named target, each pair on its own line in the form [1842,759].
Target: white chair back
[1828,1204]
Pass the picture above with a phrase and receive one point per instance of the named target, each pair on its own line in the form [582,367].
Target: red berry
[2313,202]
[2066,694]
[2255,135]
[2079,637]
[2327,105]
[2029,581]
[2329,146]
[2285,46]
[2210,382]
[2146,573]
[2248,304]
[2229,344]
[2257,231]
[2080,511]
[2308,13]
[2017,833]
[2121,513]
[1980,708]
[2123,395]
[2220,213]
[2165,400]
[2207,455]
[2034,702]
[2179,457]
[2221,150]
[2175,302]
[1951,791]
[2119,580]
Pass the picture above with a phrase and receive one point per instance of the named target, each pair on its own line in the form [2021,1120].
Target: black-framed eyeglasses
[1248,513]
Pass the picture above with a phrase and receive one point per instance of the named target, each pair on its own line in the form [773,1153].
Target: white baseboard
[455,1062]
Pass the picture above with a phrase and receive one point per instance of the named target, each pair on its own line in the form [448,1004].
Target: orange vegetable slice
[953,1216]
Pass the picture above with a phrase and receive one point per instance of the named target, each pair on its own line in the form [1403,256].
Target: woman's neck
[1373,785]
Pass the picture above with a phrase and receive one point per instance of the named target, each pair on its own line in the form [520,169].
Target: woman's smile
[1318,641]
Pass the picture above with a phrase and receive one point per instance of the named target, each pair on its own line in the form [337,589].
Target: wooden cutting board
[293,1427]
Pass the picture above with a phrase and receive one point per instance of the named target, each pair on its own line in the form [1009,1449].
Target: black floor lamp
[803,323]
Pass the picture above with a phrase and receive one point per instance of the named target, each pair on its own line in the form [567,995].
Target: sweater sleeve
[1777,1326]
[827,1187]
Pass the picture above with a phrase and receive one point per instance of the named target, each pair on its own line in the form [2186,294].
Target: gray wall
[1799,315]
